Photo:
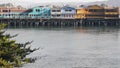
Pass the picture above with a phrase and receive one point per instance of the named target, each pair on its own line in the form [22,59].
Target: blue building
[39,12]
[68,12]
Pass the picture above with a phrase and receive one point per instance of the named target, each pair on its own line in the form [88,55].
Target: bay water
[72,47]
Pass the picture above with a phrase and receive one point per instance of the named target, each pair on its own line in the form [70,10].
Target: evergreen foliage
[11,53]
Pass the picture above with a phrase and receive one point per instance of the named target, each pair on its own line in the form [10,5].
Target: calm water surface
[83,47]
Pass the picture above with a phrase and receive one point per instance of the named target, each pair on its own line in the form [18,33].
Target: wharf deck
[61,22]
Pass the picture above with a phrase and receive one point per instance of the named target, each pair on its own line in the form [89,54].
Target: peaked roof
[95,6]
[67,7]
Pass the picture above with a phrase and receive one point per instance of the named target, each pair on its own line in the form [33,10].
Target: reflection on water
[81,47]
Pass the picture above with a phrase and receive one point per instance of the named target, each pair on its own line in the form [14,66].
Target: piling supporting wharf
[61,22]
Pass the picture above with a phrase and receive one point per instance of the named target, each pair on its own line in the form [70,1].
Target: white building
[56,12]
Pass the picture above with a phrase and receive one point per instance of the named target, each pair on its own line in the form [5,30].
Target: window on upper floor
[96,10]
[111,10]
[68,10]
[58,10]
[5,10]
[31,14]
[58,15]
[45,14]
[37,10]
[53,11]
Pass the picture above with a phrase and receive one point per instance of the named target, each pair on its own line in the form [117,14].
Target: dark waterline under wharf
[61,22]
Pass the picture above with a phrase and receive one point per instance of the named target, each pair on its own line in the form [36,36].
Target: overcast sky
[36,1]
[28,2]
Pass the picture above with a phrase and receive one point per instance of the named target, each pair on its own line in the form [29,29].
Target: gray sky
[43,1]
[30,2]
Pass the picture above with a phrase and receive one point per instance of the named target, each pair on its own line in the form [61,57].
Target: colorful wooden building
[55,12]
[111,12]
[11,12]
[19,12]
[40,12]
[68,12]
[95,12]
[80,13]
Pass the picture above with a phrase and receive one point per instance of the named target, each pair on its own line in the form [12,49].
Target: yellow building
[97,12]
[111,12]
[80,13]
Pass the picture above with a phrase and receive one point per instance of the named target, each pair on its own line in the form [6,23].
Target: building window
[9,14]
[12,14]
[31,14]
[53,10]
[5,10]
[111,15]
[58,15]
[111,10]
[68,10]
[37,10]
[45,14]
[58,10]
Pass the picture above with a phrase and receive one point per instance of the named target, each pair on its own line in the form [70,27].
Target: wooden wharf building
[93,15]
